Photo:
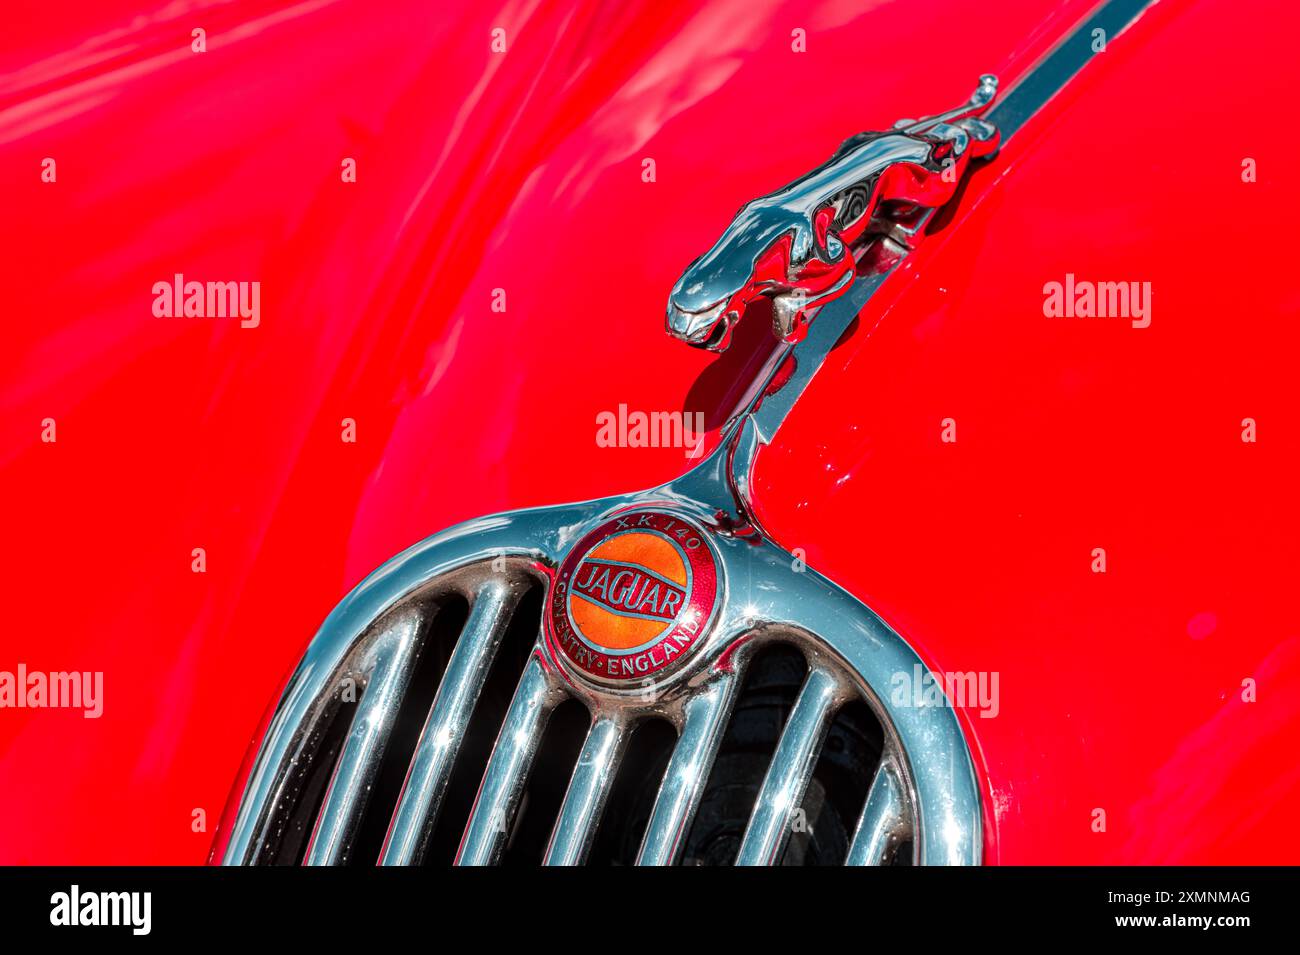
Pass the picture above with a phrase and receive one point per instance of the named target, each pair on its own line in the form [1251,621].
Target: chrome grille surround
[924,791]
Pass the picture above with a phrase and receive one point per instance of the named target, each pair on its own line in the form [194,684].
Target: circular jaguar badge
[634,596]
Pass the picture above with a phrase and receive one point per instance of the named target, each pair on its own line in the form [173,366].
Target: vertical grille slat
[688,771]
[593,777]
[885,823]
[444,730]
[791,768]
[507,769]
[393,653]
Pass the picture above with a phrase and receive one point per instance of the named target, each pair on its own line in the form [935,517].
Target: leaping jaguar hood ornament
[797,245]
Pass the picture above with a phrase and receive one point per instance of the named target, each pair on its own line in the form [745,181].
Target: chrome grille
[922,794]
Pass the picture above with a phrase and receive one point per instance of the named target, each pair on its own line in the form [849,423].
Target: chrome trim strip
[593,776]
[494,809]
[792,766]
[354,774]
[706,717]
[444,730]
[885,822]
[1065,61]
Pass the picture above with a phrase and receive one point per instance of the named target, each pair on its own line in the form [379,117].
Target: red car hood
[525,172]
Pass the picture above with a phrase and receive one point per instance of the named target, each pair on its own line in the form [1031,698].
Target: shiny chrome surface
[769,598]
[850,652]
[435,755]
[885,822]
[791,768]
[1071,55]
[795,245]
[389,671]
[583,803]
[507,770]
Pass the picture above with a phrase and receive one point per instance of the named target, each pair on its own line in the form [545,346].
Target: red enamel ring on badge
[635,596]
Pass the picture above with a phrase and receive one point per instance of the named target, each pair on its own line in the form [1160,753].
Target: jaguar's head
[712,293]
[753,258]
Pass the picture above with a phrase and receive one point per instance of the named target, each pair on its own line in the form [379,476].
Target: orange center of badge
[634,596]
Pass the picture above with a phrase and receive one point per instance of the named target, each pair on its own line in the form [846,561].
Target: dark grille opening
[436,643]
[633,797]
[305,796]
[300,818]
[838,788]
[489,712]
[552,766]
[771,684]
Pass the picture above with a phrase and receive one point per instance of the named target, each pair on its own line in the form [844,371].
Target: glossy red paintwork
[523,171]
[1119,691]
